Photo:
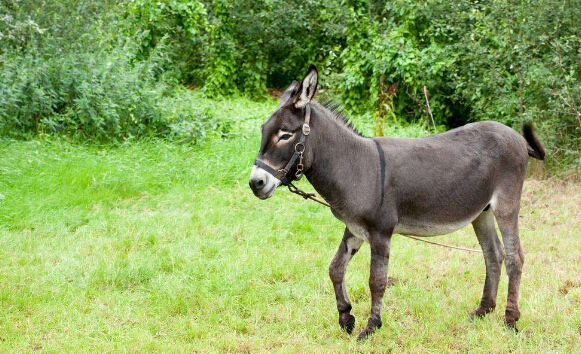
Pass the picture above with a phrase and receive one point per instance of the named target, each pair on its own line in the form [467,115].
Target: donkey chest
[358,231]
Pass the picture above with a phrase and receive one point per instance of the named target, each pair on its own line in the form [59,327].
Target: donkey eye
[285,136]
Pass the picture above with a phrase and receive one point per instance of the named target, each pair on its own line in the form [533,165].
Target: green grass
[159,247]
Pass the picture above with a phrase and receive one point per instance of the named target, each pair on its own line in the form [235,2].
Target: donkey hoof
[347,322]
[511,326]
[480,312]
[369,330]
[476,315]
[511,316]
[365,334]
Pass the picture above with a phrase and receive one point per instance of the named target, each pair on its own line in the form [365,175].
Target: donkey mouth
[266,195]
[262,183]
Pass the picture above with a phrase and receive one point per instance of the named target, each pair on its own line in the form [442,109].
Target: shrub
[102,69]
[92,95]
[480,61]
[190,119]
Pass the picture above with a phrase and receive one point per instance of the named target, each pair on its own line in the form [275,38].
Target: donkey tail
[534,147]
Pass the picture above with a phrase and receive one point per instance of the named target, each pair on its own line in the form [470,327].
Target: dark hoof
[347,322]
[511,326]
[365,334]
[511,316]
[480,312]
[369,330]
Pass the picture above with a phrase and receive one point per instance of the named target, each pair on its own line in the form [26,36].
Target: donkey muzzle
[262,183]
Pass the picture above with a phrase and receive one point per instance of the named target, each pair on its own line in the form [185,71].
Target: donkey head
[281,135]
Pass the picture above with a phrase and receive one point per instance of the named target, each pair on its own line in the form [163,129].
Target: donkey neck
[342,162]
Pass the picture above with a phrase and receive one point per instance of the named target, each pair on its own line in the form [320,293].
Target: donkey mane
[335,111]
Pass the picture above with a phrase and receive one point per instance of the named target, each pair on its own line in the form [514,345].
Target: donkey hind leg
[493,257]
[508,225]
[380,245]
[348,247]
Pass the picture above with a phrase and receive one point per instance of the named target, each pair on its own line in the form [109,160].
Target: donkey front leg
[348,247]
[380,244]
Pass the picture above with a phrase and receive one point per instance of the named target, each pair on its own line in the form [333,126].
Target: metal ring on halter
[300,151]
[299,171]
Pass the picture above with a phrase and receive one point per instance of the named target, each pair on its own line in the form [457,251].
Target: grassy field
[158,247]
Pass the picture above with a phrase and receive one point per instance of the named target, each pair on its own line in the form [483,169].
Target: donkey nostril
[257,183]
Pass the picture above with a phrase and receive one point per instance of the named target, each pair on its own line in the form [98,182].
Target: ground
[159,247]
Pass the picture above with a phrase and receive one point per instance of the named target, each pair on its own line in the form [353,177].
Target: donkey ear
[288,93]
[308,87]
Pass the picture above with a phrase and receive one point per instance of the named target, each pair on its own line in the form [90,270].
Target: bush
[92,95]
[102,69]
[62,71]
[190,119]
[480,61]
[72,77]
[242,46]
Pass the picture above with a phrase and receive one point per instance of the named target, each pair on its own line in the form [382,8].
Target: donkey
[383,186]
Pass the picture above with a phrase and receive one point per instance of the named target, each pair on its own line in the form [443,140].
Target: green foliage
[501,60]
[244,46]
[96,96]
[181,25]
[15,32]
[189,119]
[70,76]
[96,86]
[504,61]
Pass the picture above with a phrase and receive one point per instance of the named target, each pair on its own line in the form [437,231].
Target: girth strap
[382,168]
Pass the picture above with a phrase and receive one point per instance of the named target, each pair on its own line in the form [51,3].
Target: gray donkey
[384,186]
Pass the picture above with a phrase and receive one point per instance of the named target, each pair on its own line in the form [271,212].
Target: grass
[159,247]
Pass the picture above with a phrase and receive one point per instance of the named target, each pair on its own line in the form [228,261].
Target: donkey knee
[495,258]
[514,265]
[496,264]
[499,253]
[378,285]
[502,255]
[336,273]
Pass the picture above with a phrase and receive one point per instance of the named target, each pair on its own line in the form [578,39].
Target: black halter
[282,174]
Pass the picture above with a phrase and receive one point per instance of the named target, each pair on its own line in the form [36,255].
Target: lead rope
[312,196]
[306,195]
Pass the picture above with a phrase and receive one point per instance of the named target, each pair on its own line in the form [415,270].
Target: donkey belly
[418,228]
[426,226]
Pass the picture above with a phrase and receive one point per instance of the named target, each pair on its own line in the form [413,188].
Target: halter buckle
[306,129]
[281,174]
